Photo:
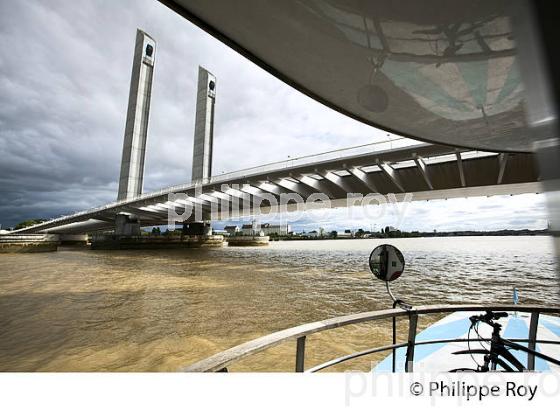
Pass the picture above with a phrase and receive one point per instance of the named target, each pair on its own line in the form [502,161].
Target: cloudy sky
[64,80]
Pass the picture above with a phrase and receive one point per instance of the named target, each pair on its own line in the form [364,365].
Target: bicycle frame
[498,350]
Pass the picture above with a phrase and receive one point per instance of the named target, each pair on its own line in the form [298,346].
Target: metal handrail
[220,361]
[343,359]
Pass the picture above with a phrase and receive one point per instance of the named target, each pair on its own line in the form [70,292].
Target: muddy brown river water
[83,310]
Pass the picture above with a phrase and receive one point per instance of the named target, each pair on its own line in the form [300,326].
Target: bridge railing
[398,142]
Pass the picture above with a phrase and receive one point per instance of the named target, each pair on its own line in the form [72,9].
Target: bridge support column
[197,228]
[127,225]
[200,235]
[73,239]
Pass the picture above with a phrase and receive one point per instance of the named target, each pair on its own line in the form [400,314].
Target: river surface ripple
[83,310]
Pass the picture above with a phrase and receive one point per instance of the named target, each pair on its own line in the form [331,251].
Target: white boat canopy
[443,71]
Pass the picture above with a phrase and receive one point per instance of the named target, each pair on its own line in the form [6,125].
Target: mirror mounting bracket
[397,302]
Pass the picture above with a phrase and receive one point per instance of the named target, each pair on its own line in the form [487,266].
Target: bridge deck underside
[424,170]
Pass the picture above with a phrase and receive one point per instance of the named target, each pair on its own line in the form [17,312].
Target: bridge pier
[23,243]
[199,234]
[77,240]
[127,225]
[129,236]
[197,228]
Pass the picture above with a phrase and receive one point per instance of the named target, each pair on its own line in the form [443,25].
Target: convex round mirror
[386,262]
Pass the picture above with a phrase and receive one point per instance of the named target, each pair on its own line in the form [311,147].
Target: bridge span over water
[400,166]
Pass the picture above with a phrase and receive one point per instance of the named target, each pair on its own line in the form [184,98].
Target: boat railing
[220,362]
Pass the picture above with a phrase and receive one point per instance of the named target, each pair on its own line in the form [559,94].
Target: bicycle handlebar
[488,317]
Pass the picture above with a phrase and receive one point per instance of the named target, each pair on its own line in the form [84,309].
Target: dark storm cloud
[58,117]
[64,79]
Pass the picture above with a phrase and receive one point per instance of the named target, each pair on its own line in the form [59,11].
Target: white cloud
[527,211]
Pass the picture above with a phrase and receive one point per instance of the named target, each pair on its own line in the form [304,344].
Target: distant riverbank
[413,234]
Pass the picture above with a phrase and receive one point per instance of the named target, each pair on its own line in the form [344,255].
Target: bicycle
[499,352]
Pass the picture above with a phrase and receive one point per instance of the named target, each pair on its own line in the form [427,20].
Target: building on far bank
[346,234]
[231,229]
[247,229]
[280,230]
[252,229]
